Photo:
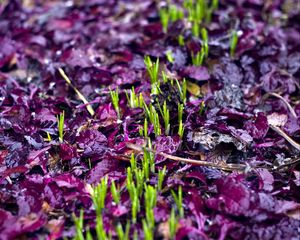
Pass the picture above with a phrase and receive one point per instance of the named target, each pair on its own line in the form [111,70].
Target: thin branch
[285,101]
[296,161]
[82,98]
[227,167]
[285,136]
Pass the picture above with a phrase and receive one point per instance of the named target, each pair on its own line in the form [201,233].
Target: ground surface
[241,115]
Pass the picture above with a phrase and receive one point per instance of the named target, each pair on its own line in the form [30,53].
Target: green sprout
[166,118]
[49,139]
[175,13]
[182,90]
[172,224]
[152,69]
[100,231]
[123,235]
[115,192]
[204,35]
[148,232]
[164,77]
[196,11]
[61,122]
[99,194]
[133,99]
[115,100]
[161,176]
[78,225]
[133,162]
[88,234]
[178,201]
[164,19]
[150,202]
[181,40]
[154,118]
[197,59]
[215,4]
[169,56]
[145,128]
[140,177]
[133,194]
[202,108]
[135,208]
[233,43]
[180,123]
[195,29]
[146,163]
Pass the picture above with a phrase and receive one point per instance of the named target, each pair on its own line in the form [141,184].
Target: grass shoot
[115,100]
[202,108]
[166,118]
[164,19]
[78,221]
[172,224]
[182,90]
[115,192]
[160,180]
[123,235]
[197,59]
[98,196]
[204,36]
[178,201]
[233,43]
[169,56]
[60,123]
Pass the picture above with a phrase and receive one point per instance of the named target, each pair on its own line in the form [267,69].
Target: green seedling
[88,234]
[98,196]
[161,176]
[202,108]
[182,90]
[133,99]
[197,59]
[154,118]
[204,35]
[79,226]
[181,40]
[49,139]
[166,118]
[60,123]
[233,43]
[115,100]
[178,201]
[115,192]
[140,178]
[150,197]
[152,69]
[100,231]
[195,29]
[133,163]
[148,232]
[135,208]
[180,123]
[172,224]
[215,4]
[164,77]
[123,235]
[169,56]
[145,128]
[164,19]
[146,164]
[175,13]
